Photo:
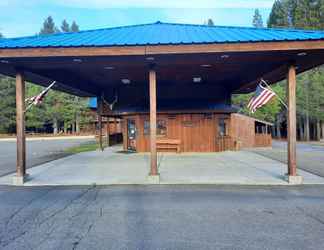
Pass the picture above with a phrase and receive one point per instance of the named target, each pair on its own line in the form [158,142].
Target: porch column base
[19,180]
[294,180]
[153,179]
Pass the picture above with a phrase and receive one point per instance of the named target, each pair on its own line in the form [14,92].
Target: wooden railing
[263,140]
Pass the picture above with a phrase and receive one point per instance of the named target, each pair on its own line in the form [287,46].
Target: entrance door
[131,134]
[222,139]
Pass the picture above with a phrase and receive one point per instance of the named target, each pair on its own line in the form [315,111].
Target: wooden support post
[152,79]
[291,126]
[115,131]
[108,131]
[99,110]
[20,129]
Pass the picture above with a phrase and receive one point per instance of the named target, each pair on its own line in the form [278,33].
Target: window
[146,127]
[161,128]
[222,127]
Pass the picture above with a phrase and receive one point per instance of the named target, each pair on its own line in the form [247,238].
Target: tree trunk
[300,127]
[322,129]
[77,123]
[73,127]
[278,127]
[55,126]
[273,131]
[318,130]
[65,128]
[307,134]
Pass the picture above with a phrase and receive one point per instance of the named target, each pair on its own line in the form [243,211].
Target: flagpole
[282,102]
[44,92]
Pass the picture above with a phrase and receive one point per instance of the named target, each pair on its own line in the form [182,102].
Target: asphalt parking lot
[310,157]
[37,152]
[162,217]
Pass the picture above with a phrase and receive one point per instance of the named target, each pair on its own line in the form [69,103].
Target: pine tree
[210,22]
[74,27]
[49,27]
[304,14]
[7,105]
[282,14]
[65,27]
[308,14]
[257,19]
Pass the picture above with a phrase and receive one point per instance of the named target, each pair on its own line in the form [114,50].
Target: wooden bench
[167,144]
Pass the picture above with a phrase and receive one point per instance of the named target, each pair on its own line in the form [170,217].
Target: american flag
[38,99]
[261,97]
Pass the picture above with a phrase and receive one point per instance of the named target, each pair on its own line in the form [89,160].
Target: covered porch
[144,65]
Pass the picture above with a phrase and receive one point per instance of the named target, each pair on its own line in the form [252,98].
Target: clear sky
[25,17]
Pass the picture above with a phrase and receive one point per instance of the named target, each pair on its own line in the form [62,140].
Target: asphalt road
[162,217]
[310,157]
[38,152]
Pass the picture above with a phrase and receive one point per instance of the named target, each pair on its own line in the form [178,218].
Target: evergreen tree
[210,22]
[308,14]
[7,105]
[74,27]
[267,112]
[282,14]
[65,27]
[304,14]
[49,27]
[257,19]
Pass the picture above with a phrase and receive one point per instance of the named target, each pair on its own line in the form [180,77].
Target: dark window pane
[222,127]
[161,128]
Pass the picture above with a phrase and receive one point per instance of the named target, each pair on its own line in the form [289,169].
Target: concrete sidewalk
[115,167]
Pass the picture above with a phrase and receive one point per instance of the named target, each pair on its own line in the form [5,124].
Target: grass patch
[86,147]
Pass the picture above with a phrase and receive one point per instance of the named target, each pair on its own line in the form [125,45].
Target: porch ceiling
[90,75]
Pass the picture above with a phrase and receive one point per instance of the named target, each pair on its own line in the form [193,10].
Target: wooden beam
[152,83]
[99,111]
[20,125]
[291,124]
[161,49]
[234,47]
[270,77]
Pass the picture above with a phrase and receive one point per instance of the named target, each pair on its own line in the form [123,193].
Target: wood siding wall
[199,132]
[263,140]
[196,132]
[242,130]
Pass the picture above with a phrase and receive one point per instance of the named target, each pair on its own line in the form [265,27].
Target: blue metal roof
[161,33]
[93,102]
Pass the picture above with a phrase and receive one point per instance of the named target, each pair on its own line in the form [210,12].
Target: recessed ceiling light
[77,60]
[109,67]
[205,65]
[302,54]
[125,81]
[151,58]
[225,56]
[196,79]
[4,61]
